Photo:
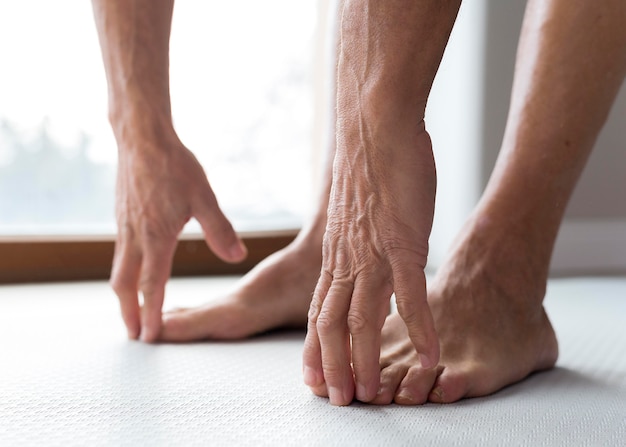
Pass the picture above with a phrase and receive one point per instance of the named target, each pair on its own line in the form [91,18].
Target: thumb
[218,231]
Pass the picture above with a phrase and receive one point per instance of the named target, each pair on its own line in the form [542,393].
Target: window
[242,97]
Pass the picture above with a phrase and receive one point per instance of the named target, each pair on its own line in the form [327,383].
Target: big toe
[212,321]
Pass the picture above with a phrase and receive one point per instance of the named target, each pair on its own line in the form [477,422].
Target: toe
[214,321]
[415,386]
[390,379]
[451,385]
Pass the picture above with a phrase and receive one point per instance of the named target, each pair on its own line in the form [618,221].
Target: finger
[410,290]
[334,337]
[368,310]
[312,354]
[218,231]
[155,271]
[124,280]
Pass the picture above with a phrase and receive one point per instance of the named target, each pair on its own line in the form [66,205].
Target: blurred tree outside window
[242,98]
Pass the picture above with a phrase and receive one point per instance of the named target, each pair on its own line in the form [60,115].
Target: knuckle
[320,292]
[149,284]
[125,230]
[341,287]
[151,232]
[332,371]
[119,283]
[155,231]
[314,310]
[358,322]
[406,254]
[116,285]
[407,310]
[327,323]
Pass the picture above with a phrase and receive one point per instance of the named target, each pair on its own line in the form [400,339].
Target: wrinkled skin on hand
[160,186]
[376,243]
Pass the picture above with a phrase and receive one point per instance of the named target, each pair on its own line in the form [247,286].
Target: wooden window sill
[86,258]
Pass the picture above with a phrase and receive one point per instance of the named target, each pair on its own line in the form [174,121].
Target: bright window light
[242,98]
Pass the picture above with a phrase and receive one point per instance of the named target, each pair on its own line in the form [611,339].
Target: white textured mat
[69,377]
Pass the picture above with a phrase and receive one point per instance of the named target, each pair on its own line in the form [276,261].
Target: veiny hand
[160,186]
[376,242]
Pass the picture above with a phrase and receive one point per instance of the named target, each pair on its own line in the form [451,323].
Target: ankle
[505,255]
[308,244]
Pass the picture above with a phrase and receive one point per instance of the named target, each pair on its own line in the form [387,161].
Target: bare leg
[277,292]
[487,299]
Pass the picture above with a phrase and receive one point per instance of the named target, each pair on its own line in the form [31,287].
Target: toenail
[438,393]
[403,396]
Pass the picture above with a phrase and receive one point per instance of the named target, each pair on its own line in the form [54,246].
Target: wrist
[144,103]
[141,124]
[378,114]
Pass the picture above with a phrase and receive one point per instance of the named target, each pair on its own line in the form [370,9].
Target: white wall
[454,119]
[467,115]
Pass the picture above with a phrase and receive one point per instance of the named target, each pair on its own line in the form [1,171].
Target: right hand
[160,186]
[380,215]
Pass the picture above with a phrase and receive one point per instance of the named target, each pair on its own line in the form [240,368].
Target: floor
[69,377]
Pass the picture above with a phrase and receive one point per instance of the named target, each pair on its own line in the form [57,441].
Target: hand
[160,186]
[376,242]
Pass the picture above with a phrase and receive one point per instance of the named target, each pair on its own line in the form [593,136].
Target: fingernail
[334,394]
[310,378]
[426,362]
[361,392]
[147,335]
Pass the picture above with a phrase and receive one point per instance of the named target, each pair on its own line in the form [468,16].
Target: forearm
[134,38]
[389,54]
[570,64]
[382,195]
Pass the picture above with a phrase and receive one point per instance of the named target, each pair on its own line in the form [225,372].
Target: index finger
[155,271]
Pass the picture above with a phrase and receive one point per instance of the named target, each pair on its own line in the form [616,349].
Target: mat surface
[69,377]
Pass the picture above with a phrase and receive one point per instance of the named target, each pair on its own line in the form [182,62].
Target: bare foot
[492,328]
[275,294]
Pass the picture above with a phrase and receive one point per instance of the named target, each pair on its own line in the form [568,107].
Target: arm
[382,199]
[160,184]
